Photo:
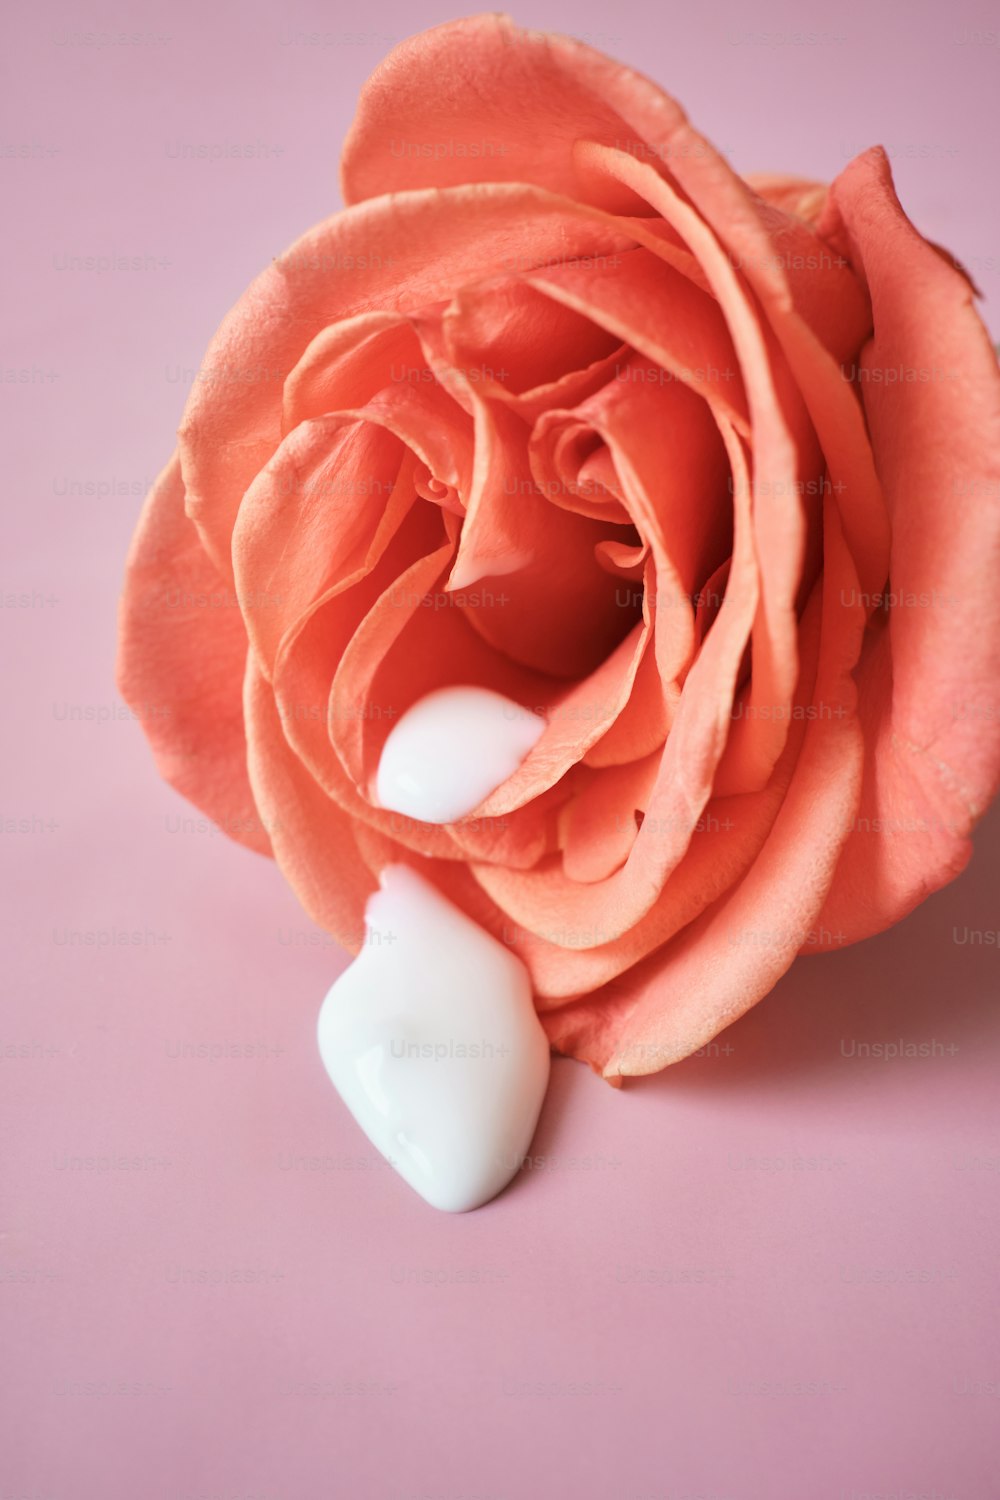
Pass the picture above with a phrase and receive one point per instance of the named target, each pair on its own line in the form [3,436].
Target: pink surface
[769,1274]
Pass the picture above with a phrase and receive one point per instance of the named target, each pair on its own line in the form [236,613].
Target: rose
[561,406]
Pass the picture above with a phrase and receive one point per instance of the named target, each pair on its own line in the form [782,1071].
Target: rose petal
[553,105]
[504,335]
[346,365]
[302,685]
[785,456]
[312,837]
[928,682]
[397,254]
[598,827]
[817,310]
[684,994]
[311,518]
[726,839]
[182,648]
[643,723]
[820,317]
[412,641]
[800,196]
[306,706]
[481,100]
[678,329]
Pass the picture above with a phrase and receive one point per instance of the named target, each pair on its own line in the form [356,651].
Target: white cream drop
[450,750]
[432,1040]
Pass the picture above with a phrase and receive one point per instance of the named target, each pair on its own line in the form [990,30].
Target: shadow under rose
[931,982]
[933,979]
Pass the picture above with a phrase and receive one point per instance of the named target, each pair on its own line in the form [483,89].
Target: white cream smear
[432,1041]
[450,750]
[431,1036]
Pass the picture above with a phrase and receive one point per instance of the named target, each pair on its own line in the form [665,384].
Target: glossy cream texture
[432,1040]
[450,750]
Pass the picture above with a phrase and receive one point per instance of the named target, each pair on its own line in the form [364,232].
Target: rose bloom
[703,469]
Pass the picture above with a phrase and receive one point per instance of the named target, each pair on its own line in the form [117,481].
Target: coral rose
[704,470]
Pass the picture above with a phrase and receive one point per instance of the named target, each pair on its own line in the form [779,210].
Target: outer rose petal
[929,685]
[182,647]
[521,96]
[483,82]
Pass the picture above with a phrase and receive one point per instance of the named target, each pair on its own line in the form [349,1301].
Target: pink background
[770,1274]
